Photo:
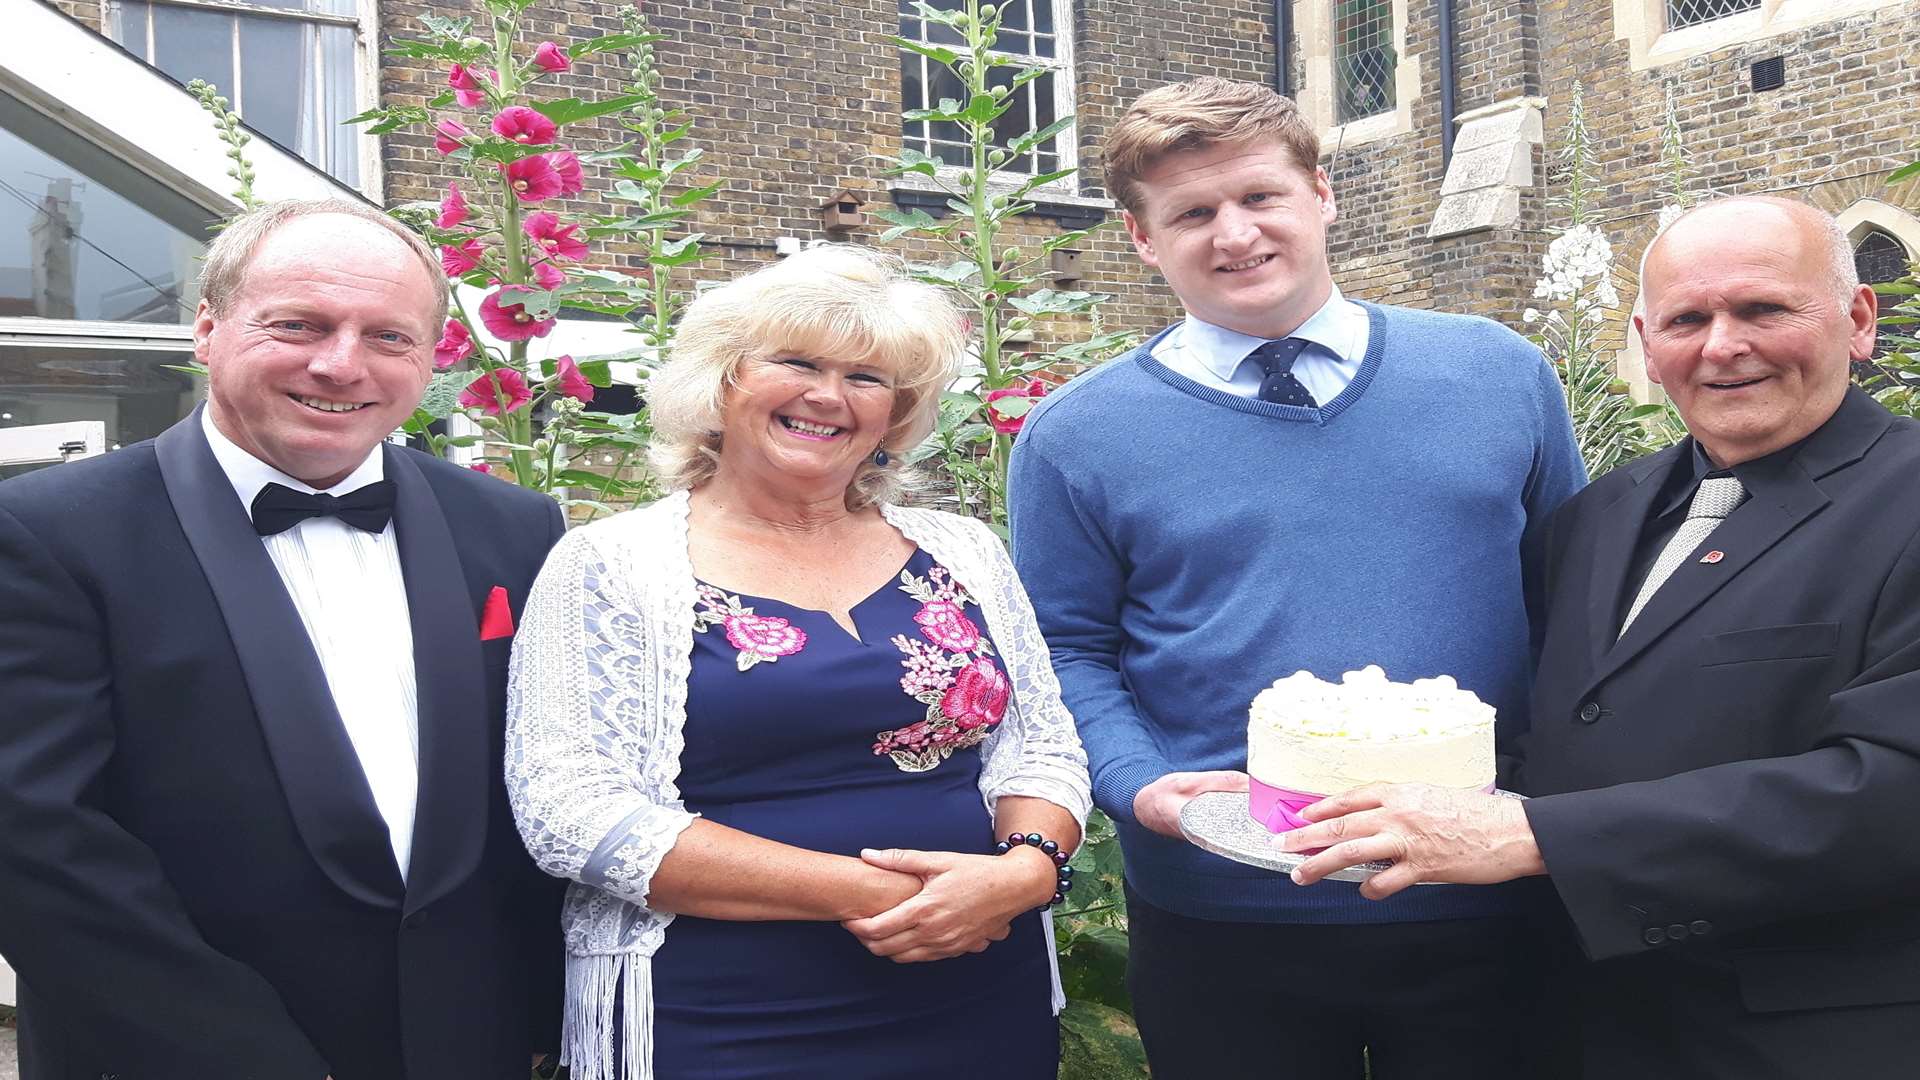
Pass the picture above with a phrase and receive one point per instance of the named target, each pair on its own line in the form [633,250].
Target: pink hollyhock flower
[511,322]
[1010,425]
[559,241]
[944,624]
[455,345]
[568,167]
[523,125]
[453,208]
[548,276]
[978,696]
[551,57]
[450,135]
[485,392]
[573,384]
[764,637]
[533,179]
[481,467]
[466,89]
[459,260]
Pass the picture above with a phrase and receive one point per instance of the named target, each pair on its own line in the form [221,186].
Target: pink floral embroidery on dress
[759,638]
[951,673]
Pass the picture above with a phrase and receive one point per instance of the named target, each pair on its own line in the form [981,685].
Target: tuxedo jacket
[194,880]
[1729,795]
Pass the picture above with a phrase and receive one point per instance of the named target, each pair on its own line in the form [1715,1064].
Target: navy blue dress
[798,732]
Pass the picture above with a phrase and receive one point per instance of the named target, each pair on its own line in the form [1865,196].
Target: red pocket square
[497,620]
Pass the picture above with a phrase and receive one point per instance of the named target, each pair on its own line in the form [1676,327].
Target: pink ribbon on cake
[1279,808]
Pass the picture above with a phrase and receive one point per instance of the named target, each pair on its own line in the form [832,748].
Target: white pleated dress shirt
[347,585]
[1217,357]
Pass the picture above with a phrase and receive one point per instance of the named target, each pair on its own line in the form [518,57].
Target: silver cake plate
[1218,821]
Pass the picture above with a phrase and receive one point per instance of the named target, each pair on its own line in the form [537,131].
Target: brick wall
[791,101]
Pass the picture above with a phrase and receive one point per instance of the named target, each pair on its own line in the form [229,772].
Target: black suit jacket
[194,881]
[1732,790]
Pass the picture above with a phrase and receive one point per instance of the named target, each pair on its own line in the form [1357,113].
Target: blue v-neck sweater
[1185,547]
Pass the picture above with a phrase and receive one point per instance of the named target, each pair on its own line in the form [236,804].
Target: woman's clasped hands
[965,902]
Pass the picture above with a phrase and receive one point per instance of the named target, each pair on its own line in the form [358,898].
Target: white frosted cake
[1307,738]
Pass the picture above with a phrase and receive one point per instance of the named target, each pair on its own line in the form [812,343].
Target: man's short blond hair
[223,274]
[1200,113]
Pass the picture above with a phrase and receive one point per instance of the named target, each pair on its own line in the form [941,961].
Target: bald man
[1725,744]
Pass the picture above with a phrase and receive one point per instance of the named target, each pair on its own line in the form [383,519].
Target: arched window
[1878,257]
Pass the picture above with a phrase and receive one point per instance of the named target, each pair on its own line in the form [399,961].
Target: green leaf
[610,42]
[939,54]
[933,14]
[1012,408]
[442,395]
[597,372]
[574,110]
[953,273]
[984,109]
[1099,1042]
[1903,172]
[1031,139]
[694,195]
[1032,182]
[1897,288]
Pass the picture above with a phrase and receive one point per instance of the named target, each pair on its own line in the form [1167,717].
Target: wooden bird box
[844,211]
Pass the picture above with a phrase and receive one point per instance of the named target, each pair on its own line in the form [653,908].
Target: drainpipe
[1283,46]
[1448,76]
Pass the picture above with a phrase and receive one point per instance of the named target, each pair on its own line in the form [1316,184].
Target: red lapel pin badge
[1713,556]
[496,621]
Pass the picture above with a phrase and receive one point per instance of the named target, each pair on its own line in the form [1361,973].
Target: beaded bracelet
[1063,883]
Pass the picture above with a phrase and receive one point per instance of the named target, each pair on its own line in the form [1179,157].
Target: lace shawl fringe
[588,1029]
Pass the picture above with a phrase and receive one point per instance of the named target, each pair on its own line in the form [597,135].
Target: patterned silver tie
[1715,499]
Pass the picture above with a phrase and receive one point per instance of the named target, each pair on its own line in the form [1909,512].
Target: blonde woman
[775,727]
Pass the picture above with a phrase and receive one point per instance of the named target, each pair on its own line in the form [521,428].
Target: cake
[1307,739]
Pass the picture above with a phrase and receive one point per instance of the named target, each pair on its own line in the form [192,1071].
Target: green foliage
[1098,1042]
[996,279]
[1893,378]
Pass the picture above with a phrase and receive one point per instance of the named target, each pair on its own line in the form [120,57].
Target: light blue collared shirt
[1217,357]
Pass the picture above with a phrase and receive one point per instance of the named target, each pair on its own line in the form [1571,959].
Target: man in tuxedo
[252,814]
[1725,743]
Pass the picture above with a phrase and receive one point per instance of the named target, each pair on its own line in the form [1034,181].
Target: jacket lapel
[450,818]
[1616,535]
[326,790]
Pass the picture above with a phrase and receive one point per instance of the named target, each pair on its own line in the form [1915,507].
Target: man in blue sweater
[1285,480]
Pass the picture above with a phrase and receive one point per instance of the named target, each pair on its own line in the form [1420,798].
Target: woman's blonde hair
[1197,114]
[834,300]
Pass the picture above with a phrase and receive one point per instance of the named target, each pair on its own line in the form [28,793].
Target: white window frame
[1067,143]
[1642,24]
[1313,28]
[366,76]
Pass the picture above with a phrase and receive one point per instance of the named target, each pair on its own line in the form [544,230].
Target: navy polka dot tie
[1279,386]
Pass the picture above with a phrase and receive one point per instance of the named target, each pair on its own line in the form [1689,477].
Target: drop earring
[880,458]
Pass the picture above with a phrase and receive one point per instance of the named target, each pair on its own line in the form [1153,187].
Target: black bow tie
[278,508]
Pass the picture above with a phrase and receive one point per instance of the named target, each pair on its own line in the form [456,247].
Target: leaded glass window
[1684,13]
[1034,32]
[1363,58]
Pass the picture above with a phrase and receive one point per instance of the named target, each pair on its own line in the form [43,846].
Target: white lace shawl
[596,703]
